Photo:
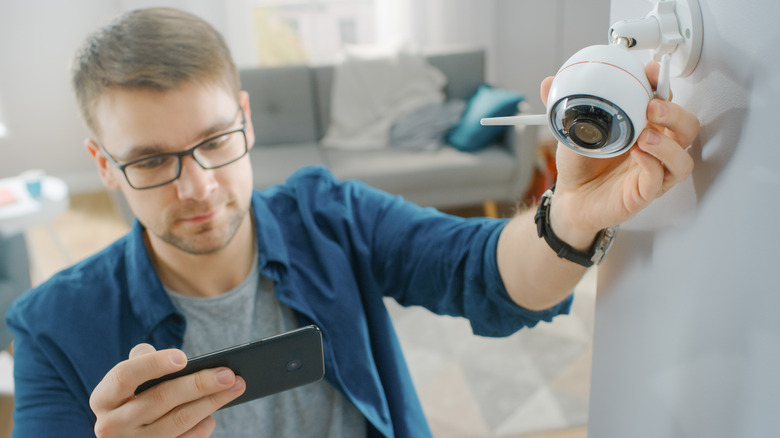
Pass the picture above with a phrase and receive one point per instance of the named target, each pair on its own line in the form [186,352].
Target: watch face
[603,244]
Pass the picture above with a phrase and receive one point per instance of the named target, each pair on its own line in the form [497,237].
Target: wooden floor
[6,423]
[92,222]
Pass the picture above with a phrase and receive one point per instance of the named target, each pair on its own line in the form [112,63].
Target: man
[210,263]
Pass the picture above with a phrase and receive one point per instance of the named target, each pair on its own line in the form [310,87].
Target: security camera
[598,99]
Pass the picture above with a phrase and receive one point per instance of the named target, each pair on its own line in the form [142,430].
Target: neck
[205,275]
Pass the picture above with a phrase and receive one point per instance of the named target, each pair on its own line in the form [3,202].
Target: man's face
[200,212]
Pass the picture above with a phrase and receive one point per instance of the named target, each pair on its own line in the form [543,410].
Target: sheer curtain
[430,25]
[435,25]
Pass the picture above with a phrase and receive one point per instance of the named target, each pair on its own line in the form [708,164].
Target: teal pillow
[468,135]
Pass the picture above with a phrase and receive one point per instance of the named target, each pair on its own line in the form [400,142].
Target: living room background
[525,41]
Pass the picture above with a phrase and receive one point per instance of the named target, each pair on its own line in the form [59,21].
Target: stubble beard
[207,239]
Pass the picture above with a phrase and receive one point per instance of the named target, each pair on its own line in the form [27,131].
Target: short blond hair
[156,48]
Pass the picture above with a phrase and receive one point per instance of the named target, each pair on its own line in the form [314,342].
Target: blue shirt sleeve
[421,256]
[45,405]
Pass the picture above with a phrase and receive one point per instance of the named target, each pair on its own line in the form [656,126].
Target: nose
[194,182]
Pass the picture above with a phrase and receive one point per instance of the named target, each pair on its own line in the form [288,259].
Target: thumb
[544,90]
[140,350]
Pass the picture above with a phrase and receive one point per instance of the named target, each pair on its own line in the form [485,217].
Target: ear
[108,174]
[243,100]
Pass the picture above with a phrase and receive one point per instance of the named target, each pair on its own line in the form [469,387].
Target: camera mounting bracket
[673,27]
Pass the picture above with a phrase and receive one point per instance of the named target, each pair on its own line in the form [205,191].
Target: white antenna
[529,119]
[664,77]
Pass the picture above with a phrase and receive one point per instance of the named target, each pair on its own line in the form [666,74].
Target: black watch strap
[597,251]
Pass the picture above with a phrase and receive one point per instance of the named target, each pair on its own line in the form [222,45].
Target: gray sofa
[290,113]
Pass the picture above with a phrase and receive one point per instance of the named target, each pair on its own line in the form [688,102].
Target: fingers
[163,397]
[677,162]
[652,69]
[140,350]
[172,408]
[671,129]
[122,380]
[191,415]
[202,429]
[544,89]
[682,124]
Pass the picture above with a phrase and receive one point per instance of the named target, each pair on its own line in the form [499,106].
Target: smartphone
[269,365]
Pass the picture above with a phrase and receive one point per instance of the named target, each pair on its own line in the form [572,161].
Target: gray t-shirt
[249,312]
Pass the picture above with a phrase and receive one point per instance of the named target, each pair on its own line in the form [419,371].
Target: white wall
[535,37]
[45,130]
[687,333]
[526,41]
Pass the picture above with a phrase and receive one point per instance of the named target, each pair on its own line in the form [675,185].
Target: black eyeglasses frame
[180,155]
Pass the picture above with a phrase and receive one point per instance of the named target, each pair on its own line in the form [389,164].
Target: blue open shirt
[333,249]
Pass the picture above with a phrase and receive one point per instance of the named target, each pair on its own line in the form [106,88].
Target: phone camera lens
[587,126]
[294,365]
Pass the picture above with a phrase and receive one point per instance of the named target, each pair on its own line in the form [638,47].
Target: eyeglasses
[161,169]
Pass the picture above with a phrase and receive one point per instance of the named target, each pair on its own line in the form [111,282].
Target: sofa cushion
[469,135]
[465,71]
[402,172]
[281,101]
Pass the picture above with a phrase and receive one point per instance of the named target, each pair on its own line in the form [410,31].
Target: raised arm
[592,194]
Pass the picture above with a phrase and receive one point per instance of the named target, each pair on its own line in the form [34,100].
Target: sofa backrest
[292,104]
[280,99]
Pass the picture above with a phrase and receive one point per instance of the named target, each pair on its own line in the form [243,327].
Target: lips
[200,216]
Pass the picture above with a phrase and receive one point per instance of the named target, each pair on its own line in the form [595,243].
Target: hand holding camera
[603,103]
[598,193]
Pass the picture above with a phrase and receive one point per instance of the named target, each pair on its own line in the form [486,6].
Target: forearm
[534,276]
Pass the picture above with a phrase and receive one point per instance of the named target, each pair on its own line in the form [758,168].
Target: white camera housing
[598,100]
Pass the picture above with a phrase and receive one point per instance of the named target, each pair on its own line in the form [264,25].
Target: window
[310,31]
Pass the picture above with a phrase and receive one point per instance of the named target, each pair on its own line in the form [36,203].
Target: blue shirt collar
[272,250]
[148,299]
[150,302]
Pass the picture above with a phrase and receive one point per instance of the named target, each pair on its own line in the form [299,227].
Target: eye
[153,163]
[215,143]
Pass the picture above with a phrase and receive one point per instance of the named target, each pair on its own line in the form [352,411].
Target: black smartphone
[269,365]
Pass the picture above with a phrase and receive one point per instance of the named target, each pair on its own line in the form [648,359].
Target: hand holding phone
[182,406]
[268,365]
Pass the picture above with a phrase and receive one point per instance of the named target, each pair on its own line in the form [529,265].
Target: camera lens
[587,126]
[587,132]
[591,126]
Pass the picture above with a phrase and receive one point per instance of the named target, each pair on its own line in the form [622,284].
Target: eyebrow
[143,150]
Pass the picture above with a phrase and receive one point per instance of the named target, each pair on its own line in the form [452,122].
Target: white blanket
[371,93]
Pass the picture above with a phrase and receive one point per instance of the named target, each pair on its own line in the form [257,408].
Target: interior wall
[536,37]
[45,130]
[687,338]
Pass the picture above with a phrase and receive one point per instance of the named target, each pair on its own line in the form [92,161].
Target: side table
[25,210]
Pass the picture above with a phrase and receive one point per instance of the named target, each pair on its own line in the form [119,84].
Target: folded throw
[424,129]
[370,94]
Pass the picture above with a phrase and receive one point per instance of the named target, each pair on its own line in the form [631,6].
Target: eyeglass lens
[164,168]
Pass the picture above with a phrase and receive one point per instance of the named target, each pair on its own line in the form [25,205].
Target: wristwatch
[595,254]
